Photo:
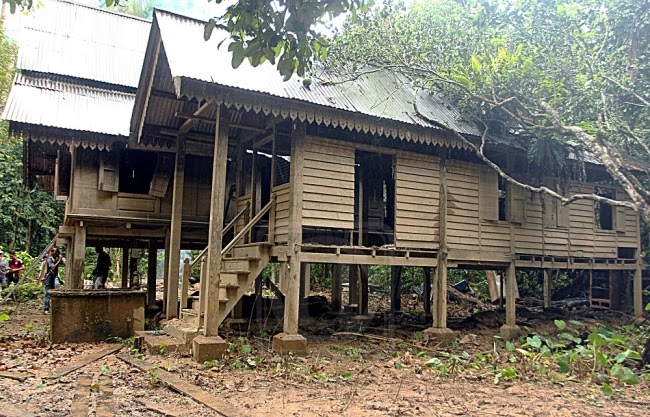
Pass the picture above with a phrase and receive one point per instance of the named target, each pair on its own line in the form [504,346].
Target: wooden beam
[84,360]
[353,284]
[292,300]
[190,123]
[363,290]
[217,214]
[151,76]
[175,229]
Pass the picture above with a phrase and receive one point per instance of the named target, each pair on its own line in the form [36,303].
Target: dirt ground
[343,375]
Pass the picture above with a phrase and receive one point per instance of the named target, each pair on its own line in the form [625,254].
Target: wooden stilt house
[355,172]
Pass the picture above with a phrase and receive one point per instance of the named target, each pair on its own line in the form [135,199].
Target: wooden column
[152,264]
[395,288]
[353,286]
[638,291]
[305,280]
[176,229]
[166,271]
[219,165]
[440,278]
[292,300]
[336,287]
[363,289]
[511,299]
[125,267]
[76,280]
[426,294]
[547,289]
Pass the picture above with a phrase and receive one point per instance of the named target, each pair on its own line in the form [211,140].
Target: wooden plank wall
[328,184]
[241,204]
[417,193]
[282,212]
[462,205]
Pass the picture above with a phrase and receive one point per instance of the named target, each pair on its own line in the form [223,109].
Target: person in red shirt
[15,266]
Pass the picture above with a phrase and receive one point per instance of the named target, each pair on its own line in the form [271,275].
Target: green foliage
[282,32]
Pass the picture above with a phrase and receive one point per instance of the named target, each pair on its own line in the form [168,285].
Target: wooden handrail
[225,230]
[249,226]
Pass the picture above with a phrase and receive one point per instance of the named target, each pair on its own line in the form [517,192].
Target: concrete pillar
[125,267]
[363,289]
[440,294]
[176,228]
[166,272]
[353,286]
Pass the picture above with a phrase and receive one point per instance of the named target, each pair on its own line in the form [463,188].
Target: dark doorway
[374,199]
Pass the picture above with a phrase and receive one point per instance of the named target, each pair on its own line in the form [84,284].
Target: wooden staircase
[238,274]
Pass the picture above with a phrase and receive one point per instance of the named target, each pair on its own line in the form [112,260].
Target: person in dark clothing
[15,266]
[100,274]
[51,276]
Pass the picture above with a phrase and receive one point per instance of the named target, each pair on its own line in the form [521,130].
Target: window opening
[603,212]
[136,171]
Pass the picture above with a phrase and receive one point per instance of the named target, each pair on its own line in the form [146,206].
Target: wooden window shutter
[62,175]
[488,194]
[549,208]
[516,204]
[563,214]
[160,180]
[109,177]
[619,212]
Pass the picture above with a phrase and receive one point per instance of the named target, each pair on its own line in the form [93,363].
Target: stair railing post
[187,269]
[271,231]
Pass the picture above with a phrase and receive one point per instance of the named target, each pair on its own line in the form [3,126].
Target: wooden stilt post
[152,264]
[76,281]
[547,289]
[336,287]
[125,266]
[426,294]
[510,330]
[395,288]
[439,331]
[305,278]
[353,286]
[166,272]
[363,289]
[175,229]
[216,227]
[638,291]
[289,340]
[185,287]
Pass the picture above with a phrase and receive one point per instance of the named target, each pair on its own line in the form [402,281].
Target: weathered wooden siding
[241,205]
[328,184]
[417,193]
[462,205]
[281,212]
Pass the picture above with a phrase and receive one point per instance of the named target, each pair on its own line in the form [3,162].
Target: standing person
[4,265]
[100,273]
[51,276]
[15,266]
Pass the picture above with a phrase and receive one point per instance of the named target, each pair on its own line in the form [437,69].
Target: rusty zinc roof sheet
[61,103]
[381,93]
[65,38]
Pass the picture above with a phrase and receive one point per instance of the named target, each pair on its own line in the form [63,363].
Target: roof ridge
[164,11]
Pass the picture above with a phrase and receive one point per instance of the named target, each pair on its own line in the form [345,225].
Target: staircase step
[185,329]
[237,264]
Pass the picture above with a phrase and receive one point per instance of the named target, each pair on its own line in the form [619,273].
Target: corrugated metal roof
[70,39]
[382,94]
[54,102]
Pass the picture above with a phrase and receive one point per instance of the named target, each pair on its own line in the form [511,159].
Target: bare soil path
[340,377]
